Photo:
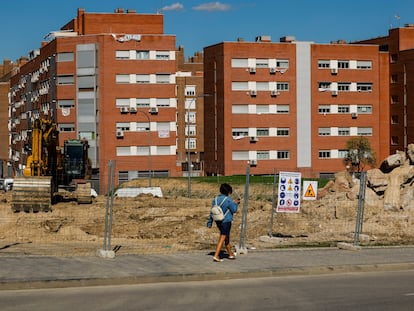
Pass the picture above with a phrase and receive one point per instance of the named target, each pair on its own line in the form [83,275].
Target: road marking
[409,294]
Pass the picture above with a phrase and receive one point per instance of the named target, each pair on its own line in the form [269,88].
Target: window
[282,63]
[240,109]
[262,155]
[162,55]
[190,130]
[143,126]
[122,55]
[240,155]
[324,109]
[239,86]
[262,86]
[394,100]
[394,119]
[122,102]
[282,86]
[394,79]
[343,131]
[143,102]
[66,103]
[324,131]
[361,64]
[283,132]
[65,57]
[162,78]
[282,108]
[190,90]
[142,79]
[283,154]
[240,132]
[324,86]
[394,140]
[123,126]
[163,102]
[262,63]
[191,143]
[324,154]
[260,109]
[343,64]
[262,132]
[394,58]
[344,86]
[364,131]
[342,154]
[324,63]
[343,109]
[65,80]
[190,117]
[364,87]
[142,55]
[66,127]
[364,109]
[239,63]
[122,79]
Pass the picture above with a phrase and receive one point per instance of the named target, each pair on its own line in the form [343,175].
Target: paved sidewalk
[19,272]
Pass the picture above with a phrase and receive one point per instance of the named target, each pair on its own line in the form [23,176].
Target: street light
[149,147]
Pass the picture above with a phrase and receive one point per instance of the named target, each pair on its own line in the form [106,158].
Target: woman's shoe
[217,259]
[232,257]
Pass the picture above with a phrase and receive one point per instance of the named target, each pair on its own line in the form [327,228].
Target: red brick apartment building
[190,113]
[292,105]
[7,69]
[109,78]
[400,45]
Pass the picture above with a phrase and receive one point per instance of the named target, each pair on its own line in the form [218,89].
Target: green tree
[359,154]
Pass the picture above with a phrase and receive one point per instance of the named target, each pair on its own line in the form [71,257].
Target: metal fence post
[273,204]
[242,243]
[360,213]
[106,252]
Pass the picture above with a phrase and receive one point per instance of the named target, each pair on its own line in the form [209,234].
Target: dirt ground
[174,222]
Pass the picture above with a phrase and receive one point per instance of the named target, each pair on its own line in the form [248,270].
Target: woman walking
[229,207]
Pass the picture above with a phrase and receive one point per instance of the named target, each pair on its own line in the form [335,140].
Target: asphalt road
[377,291]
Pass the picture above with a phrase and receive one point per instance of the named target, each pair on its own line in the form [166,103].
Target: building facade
[108,78]
[190,113]
[400,44]
[292,105]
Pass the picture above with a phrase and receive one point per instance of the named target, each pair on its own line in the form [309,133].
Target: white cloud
[173,7]
[212,6]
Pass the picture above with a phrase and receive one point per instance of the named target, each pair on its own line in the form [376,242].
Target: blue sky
[200,23]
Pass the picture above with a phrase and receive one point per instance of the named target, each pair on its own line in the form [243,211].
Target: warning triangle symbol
[310,193]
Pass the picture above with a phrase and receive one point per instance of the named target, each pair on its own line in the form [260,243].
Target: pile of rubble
[391,186]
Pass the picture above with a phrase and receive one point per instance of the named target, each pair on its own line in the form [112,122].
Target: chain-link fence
[176,222]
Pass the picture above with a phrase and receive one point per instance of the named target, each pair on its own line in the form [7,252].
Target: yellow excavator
[52,173]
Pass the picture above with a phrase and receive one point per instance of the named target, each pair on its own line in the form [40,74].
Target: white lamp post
[149,148]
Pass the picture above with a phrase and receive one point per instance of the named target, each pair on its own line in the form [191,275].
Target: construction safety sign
[310,190]
[289,192]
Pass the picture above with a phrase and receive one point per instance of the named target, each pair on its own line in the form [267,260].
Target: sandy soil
[174,222]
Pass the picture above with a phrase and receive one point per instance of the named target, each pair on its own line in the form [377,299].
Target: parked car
[6,184]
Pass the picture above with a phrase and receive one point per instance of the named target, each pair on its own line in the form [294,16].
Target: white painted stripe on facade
[303,99]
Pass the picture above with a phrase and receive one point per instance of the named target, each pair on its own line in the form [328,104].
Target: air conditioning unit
[124,109]
[253,92]
[354,115]
[119,134]
[252,70]
[272,70]
[274,93]
[334,71]
[133,110]
[153,110]
[334,93]
[252,162]
[253,139]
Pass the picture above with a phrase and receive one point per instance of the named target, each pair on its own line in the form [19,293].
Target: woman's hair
[226,189]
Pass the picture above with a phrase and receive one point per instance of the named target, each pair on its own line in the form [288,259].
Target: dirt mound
[175,222]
